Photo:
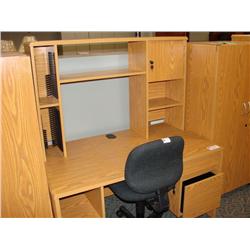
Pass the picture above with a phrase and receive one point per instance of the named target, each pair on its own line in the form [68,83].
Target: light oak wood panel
[138,105]
[240,37]
[65,174]
[200,91]
[211,161]
[160,103]
[175,199]
[156,115]
[167,58]
[107,192]
[202,196]
[229,129]
[45,122]
[174,89]
[41,68]
[47,102]
[96,198]
[98,75]
[174,116]
[137,56]
[106,40]
[24,183]
[78,206]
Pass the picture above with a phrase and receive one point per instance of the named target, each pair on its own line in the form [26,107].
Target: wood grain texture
[98,75]
[137,56]
[78,206]
[174,116]
[202,196]
[168,60]
[173,89]
[96,198]
[138,105]
[216,92]
[240,37]
[24,183]
[156,115]
[161,103]
[232,82]
[200,90]
[65,174]
[106,40]
[47,102]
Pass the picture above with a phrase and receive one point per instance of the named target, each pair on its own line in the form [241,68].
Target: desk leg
[212,213]
[56,206]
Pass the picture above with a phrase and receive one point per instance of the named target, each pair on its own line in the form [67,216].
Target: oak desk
[77,183]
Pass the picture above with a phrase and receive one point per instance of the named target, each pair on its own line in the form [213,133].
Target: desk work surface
[98,161]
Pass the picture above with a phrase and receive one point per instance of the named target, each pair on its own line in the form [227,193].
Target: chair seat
[122,190]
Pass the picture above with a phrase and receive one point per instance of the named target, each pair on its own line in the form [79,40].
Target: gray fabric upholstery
[150,167]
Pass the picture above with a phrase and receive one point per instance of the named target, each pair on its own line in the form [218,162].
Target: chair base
[140,211]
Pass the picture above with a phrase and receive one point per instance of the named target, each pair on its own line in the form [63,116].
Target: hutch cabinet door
[166,60]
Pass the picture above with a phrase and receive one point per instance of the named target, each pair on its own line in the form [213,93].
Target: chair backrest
[155,165]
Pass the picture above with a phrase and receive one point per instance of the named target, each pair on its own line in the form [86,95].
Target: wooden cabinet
[166,82]
[165,60]
[218,82]
[24,182]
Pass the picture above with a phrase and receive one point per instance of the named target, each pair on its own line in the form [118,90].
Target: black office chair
[151,171]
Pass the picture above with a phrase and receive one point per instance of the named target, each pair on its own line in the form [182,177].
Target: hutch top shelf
[106,40]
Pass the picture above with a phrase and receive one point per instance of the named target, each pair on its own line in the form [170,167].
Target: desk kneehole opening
[201,194]
[89,204]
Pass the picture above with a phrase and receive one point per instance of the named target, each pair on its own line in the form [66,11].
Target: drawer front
[202,196]
[205,163]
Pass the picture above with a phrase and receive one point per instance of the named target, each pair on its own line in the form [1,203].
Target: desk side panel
[24,182]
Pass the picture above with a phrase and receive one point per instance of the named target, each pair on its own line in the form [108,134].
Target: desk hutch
[80,171]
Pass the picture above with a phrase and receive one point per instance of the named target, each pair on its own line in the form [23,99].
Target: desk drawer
[210,162]
[201,194]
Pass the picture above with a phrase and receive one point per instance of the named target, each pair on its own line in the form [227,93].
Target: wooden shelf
[98,75]
[161,103]
[47,102]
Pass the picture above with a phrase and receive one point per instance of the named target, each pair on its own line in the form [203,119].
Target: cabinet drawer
[201,194]
[209,162]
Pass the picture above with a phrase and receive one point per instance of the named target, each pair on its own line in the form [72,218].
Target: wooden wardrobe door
[24,182]
[232,80]
[247,121]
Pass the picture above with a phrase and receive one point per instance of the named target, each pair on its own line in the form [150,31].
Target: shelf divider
[48,102]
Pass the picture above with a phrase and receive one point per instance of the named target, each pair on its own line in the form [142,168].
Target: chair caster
[119,214]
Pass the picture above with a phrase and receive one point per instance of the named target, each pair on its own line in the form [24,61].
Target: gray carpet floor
[235,204]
